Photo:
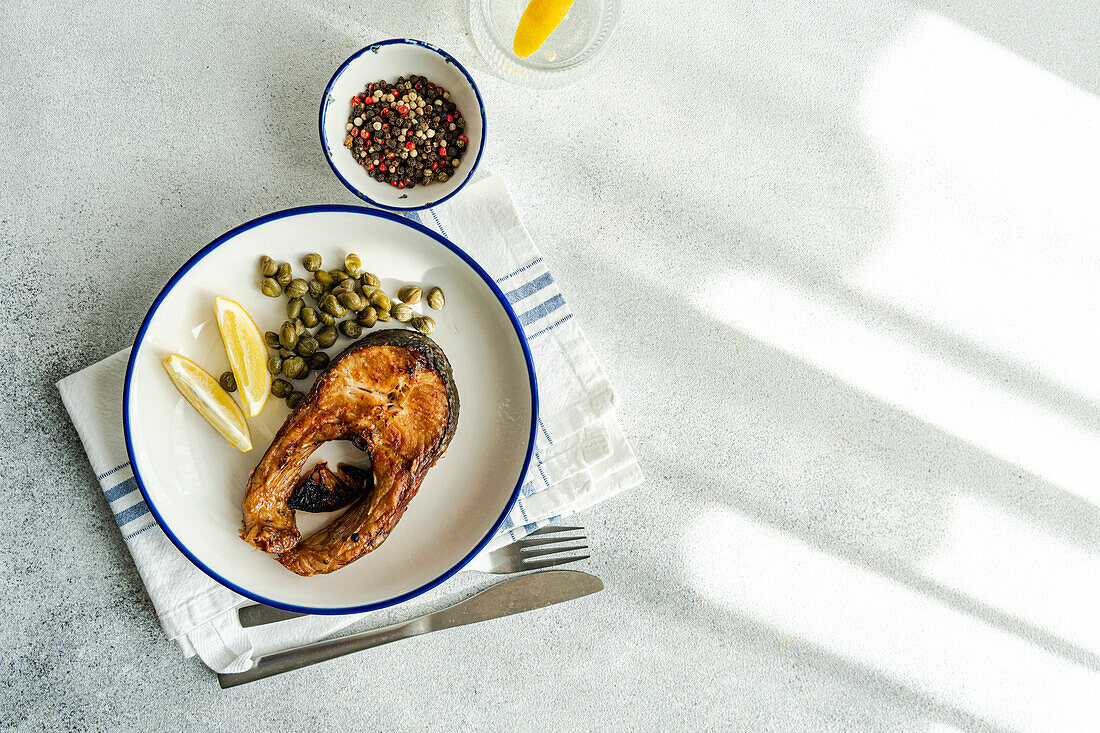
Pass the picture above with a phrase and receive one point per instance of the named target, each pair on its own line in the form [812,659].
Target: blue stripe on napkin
[548,329]
[525,268]
[438,223]
[529,288]
[542,310]
[116,469]
[128,515]
[120,490]
[146,528]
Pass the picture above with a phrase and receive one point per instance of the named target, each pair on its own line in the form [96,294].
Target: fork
[520,556]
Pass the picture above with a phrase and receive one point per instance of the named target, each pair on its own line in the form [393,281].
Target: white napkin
[582,456]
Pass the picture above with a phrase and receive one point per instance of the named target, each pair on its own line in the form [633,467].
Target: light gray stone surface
[821,543]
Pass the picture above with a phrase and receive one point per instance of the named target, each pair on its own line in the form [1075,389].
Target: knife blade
[509,597]
[260,615]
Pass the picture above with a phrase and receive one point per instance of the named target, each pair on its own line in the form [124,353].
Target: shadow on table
[864,533]
[1060,37]
[879,377]
[850,451]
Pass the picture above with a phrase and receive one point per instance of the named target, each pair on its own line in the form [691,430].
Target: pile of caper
[348,293]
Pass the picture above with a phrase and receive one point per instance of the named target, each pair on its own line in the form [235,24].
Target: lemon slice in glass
[247,352]
[539,20]
[204,393]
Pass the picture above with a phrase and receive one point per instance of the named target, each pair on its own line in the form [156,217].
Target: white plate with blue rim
[390,59]
[193,480]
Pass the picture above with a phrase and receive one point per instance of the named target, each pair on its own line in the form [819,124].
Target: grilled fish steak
[393,396]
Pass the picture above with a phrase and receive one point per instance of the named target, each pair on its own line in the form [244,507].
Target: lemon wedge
[247,352]
[539,20]
[204,393]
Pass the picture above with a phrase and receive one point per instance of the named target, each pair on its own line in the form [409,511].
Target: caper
[270,288]
[318,361]
[316,289]
[308,316]
[424,324]
[285,353]
[436,300]
[281,388]
[312,262]
[274,365]
[370,280]
[402,312]
[228,382]
[268,268]
[410,294]
[352,264]
[352,301]
[294,367]
[379,300]
[351,329]
[288,335]
[338,276]
[300,327]
[326,319]
[368,292]
[307,346]
[324,277]
[271,339]
[297,288]
[293,308]
[294,398]
[367,317]
[330,305]
[382,315]
[283,276]
[347,286]
[326,337]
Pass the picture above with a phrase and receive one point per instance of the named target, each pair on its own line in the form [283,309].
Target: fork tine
[523,544]
[552,550]
[552,528]
[538,564]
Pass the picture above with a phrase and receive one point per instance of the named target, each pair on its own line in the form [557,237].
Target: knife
[515,595]
[260,615]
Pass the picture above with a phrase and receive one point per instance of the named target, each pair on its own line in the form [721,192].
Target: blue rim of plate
[325,147]
[327,208]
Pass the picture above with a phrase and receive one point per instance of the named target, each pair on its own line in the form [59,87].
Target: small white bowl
[389,60]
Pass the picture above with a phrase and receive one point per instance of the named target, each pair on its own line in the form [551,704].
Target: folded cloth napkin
[581,456]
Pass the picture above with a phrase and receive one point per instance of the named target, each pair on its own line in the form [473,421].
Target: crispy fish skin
[392,395]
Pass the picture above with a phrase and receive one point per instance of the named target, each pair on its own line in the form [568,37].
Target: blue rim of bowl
[325,147]
[328,208]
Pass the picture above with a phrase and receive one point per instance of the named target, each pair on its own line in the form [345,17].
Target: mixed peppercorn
[407,132]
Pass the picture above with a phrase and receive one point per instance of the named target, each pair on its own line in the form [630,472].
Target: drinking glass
[570,52]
